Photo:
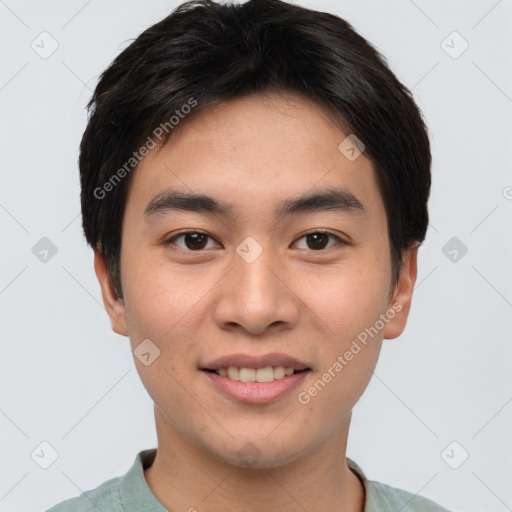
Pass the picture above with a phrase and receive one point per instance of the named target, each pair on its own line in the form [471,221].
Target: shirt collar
[136,495]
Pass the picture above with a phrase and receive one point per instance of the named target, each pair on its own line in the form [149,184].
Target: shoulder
[128,492]
[104,498]
[387,498]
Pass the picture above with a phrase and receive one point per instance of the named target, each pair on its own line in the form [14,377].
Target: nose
[257,297]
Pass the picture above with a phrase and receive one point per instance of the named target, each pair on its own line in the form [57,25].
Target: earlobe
[114,305]
[400,303]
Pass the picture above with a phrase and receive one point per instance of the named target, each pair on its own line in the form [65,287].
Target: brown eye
[319,240]
[193,240]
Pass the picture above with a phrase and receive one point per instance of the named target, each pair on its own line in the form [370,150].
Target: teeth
[233,373]
[247,375]
[267,374]
[279,372]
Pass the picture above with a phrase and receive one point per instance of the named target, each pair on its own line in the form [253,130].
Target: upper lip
[254,361]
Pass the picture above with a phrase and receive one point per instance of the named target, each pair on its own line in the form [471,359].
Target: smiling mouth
[266,374]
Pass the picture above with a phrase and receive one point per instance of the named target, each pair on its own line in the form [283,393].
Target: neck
[184,476]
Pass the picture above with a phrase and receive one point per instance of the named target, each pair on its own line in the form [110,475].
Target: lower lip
[256,392]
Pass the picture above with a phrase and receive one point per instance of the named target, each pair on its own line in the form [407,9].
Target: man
[254,185]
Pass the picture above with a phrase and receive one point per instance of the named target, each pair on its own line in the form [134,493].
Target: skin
[311,304]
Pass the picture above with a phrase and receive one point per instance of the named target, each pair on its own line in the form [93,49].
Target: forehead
[254,151]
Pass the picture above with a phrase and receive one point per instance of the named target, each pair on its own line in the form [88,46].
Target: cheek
[349,302]
[348,347]
[162,306]
[170,307]
[160,300]
[347,298]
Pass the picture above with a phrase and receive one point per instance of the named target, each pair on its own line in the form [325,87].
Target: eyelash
[339,241]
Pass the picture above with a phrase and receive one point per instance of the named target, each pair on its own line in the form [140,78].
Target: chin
[259,453]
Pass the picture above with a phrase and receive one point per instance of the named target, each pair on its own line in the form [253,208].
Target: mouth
[265,374]
[255,379]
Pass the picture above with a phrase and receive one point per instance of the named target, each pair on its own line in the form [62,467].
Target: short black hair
[206,52]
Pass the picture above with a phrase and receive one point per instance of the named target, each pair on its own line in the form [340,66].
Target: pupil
[317,241]
[197,240]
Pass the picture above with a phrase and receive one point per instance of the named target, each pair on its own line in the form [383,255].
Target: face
[258,281]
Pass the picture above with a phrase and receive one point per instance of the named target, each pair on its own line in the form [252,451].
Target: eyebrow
[336,199]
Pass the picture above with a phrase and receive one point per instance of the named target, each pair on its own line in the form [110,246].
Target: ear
[114,305]
[402,295]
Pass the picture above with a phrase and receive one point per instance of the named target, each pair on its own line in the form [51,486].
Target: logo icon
[44,45]
[44,250]
[248,455]
[454,249]
[146,352]
[44,455]
[455,455]
[454,45]
[249,250]
[351,147]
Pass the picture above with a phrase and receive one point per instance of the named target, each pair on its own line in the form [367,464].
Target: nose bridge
[256,282]
[252,295]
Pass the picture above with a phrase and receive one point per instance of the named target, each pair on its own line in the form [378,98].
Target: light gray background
[69,381]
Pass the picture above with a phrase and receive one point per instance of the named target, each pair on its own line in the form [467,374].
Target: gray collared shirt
[131,493]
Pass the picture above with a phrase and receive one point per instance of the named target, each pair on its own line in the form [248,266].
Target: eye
[319,240]
[193,240]
[196,240]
